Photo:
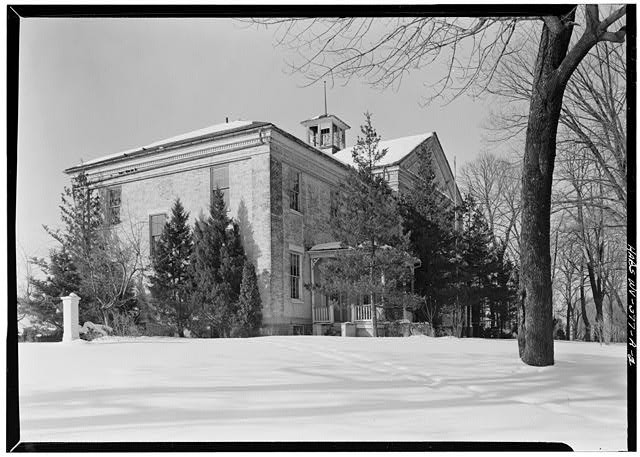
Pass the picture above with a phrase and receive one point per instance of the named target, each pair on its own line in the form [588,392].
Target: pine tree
[42,302]
[68,265]
[428,220]
[216,270]
[171,259]
[249,314]
[478,265]
[232,260]
[368,221]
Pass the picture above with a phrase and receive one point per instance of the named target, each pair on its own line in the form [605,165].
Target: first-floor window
[294,275]
[156,225]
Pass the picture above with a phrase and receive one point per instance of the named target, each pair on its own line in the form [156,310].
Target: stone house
[280,189]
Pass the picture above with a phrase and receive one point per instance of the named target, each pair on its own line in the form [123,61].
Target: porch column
[312,261]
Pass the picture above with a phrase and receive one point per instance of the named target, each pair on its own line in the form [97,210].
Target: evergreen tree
[481,278]
[249,314]
[171,259]
[216,270]
[368,221]
[232,261]
[42,302]
[428,219]
[67,268]
[105,265]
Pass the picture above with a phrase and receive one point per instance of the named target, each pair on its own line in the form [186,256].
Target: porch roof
[331,246]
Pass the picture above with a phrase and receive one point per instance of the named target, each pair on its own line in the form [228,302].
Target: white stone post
[70,315]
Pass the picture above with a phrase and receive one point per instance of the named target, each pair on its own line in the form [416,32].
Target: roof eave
[170,145]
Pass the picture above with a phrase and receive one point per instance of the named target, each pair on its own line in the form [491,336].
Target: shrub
[90,331]
[124,324]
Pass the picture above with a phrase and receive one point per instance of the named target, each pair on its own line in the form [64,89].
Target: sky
[92,87]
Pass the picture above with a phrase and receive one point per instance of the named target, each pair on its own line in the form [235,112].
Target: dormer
[326,132]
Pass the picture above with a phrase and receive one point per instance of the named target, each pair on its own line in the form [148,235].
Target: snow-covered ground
[322,389]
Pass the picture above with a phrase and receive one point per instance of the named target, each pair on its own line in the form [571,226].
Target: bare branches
[384,50]
[613,17]
[494,183]
[595,31]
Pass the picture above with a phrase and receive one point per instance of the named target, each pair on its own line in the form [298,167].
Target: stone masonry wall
[297,231]
[143,196]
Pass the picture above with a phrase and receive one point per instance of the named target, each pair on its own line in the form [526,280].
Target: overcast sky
[91,87]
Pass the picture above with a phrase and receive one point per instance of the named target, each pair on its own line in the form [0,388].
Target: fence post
[70,315]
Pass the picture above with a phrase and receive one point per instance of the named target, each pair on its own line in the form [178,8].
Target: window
[220,180]
[294,191]
[294,275]
[333,210]
[325,139]
[156,225]
[114,198]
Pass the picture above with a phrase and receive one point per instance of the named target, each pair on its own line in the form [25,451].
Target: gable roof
[397,149]
[193,135]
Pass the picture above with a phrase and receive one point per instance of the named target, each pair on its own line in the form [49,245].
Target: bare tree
[344,47]
[600,243]
[494,183]
[113,267]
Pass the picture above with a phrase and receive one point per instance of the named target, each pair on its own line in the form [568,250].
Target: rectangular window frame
[223,185]
[295,275]
[294,191]
[325,137]
[152,237]
[113,205]
[333,204]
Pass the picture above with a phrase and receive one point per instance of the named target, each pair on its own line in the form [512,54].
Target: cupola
[327,131]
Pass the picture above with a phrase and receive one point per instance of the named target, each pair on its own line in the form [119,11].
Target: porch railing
[322,314]
[362,312]
[328,313]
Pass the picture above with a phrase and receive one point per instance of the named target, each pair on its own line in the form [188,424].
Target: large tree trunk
[535,335]
[568,332]
[583,307]
[598,296]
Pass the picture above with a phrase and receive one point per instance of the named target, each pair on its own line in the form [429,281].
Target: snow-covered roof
[397,149]
[330,246]
[212,129]
[340,122]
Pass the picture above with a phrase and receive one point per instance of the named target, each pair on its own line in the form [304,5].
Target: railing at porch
[329,314]
[322,314]
[361,312]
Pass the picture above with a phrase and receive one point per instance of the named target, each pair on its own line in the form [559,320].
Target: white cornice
[263,136]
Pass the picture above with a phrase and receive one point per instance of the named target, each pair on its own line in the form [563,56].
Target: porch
[346,314]
[352,320]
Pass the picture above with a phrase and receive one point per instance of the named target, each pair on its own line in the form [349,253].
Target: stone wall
[154,192]
[297,231]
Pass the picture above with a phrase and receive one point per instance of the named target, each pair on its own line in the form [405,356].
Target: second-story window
[156,225]
[220,180]
[294,191]
[333,208]
[114,200]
